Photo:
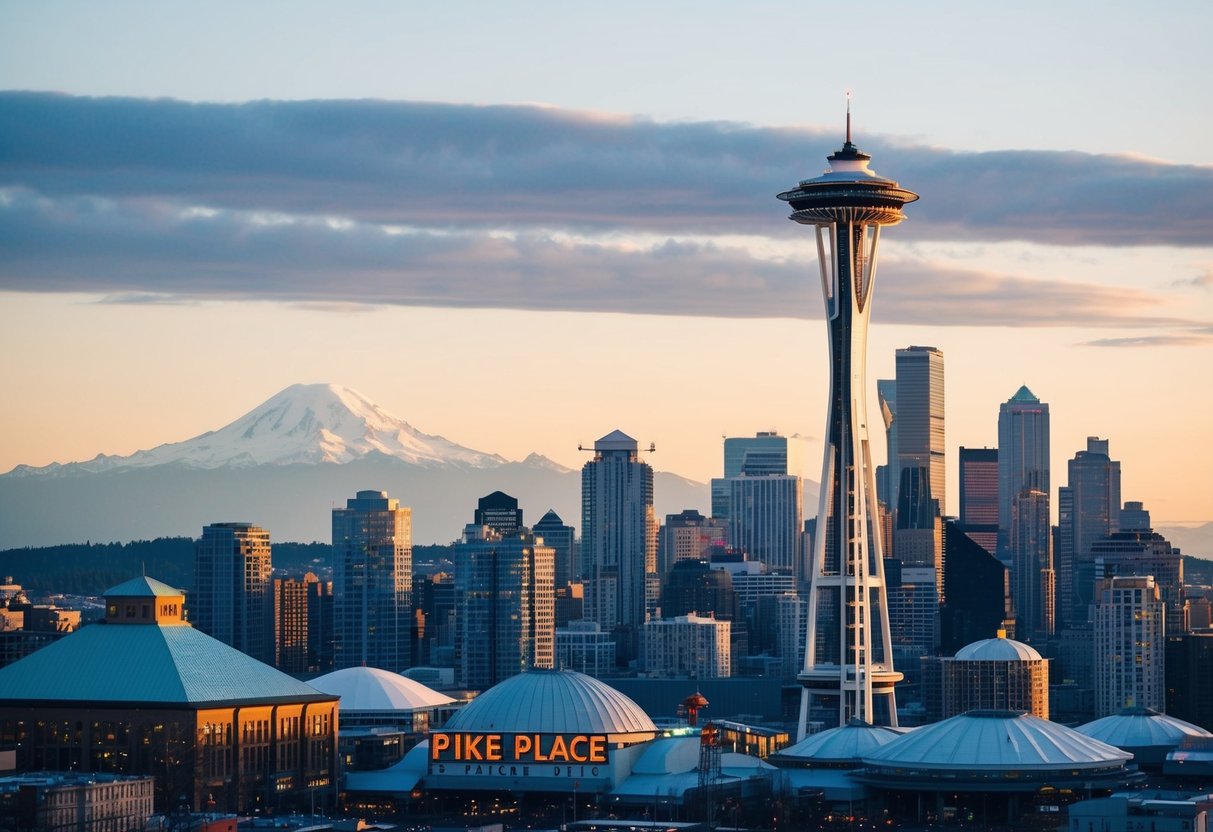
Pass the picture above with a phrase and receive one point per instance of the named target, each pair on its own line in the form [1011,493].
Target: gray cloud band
[376,202]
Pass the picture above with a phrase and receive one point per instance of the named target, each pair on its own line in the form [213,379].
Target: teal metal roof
[146,663]
[1023,394]
[142,587]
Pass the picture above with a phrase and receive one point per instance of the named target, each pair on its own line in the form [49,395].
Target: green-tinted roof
[1023,394]
[146,663]
[142,587]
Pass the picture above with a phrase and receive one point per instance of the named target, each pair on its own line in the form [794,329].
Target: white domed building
[992,674]
[823,762]
[993,763]
[383,714]
[1146,734]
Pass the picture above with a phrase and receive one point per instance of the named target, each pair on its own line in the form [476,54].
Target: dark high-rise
[232,594]
[499,511]
[979,496]
[504,605]
[1088,510]
[564,546]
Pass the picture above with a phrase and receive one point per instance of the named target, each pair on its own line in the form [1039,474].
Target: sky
[525,225]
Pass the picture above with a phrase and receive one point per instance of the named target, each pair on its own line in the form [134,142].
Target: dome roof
[372,689]
[552,702]
[995,740]
[1141,728]
[997,650]
[847,743]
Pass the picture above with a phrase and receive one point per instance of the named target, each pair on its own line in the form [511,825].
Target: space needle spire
[848,661]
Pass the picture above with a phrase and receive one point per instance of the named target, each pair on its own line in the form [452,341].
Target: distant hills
[285,465]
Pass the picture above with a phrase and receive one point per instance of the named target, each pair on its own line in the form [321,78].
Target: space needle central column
[848,666]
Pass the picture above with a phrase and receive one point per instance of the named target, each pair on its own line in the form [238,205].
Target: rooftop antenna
[848,116]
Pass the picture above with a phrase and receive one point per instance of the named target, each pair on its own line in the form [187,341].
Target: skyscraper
[764,454]
[765,519]
[919,422]
[372,582]
[1023,458]
[231,600]
[979,496]
[687,535]
[505,616]
[849,657]
[499,511]
[302,624]
[1088,509]
[916,589]
[1032,572]
[563,541]
[1129,646]
[619,541]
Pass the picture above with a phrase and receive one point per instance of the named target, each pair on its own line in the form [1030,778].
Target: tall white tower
[848,667]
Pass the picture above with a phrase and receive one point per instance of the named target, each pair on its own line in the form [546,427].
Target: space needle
[848,664]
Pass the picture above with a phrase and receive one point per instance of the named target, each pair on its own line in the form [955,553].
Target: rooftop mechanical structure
[848,668]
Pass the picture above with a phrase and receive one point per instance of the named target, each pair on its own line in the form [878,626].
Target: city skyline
[1099,298]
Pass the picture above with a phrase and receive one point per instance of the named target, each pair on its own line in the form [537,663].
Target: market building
[145,693]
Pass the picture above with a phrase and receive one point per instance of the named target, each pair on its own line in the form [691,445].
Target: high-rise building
[919,423]
[302,623]
[764,454]
[1023,458]
[848,671]
[1032,578]
[1144,552]
[563,541]
[1088,509]
[1189,678]
[915,572]
[979,496]
[1129,646]
[886,475]
[765,519]
[619,541]
[582,646]
[231,601]
[694,586]
[372,582]
[499,511]
[691,645]
[505,616]
[688,535]
[976,591]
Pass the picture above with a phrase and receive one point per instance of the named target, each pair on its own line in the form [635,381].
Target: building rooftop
[1141,728]
[999,649]
[846,743]
[142,587]
[995,740]
[372,689]
[553,702]
[112,663]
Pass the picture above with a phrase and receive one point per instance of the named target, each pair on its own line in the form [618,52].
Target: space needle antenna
[848,116]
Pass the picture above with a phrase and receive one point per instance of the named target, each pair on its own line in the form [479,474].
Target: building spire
[848,117]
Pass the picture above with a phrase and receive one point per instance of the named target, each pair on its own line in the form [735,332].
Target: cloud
[1201,281]
[143,251]
[461,166]
[1194,338]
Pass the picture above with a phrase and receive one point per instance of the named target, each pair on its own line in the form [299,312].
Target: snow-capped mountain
[285,465]
[305,423]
